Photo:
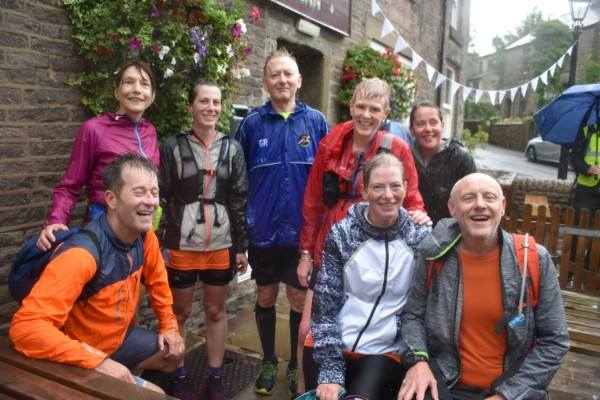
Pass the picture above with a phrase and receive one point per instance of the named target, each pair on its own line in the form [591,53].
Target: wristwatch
[414,357]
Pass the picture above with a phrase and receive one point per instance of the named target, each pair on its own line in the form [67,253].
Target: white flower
[168,73]
[221,69]
[217,51]
[242,25]
[244,72]
[229,51]
[196,58]
[173,61]
[163,52]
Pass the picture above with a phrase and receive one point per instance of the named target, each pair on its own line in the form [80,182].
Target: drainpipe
[442,51]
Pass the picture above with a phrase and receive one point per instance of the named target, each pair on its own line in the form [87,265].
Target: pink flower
[135,44]
[255,14]
[236,31]
[155,48]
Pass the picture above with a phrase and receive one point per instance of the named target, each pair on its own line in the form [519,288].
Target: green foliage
[181,39]
[592,71]
[526,27]
[479,138]
[482,110]
[364,62]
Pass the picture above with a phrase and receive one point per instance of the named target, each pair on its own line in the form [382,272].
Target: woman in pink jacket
[99,141]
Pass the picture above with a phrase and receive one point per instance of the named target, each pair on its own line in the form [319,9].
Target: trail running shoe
[265,383]
[215,389]
[182,389]
[292,377]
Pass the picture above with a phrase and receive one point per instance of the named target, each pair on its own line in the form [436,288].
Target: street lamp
[579,9]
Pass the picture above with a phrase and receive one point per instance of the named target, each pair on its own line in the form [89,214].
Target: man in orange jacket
[81,309]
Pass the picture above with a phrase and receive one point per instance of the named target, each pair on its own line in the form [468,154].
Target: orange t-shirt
[481,349]
[199,260]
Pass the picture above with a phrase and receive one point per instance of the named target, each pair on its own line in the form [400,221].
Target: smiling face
[427,127]
[477,203]
[385,193]
[134,93]
[282,80]
[130,211]
[206,107]
[368,114]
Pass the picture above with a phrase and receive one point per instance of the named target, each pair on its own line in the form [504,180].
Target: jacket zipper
[138,137]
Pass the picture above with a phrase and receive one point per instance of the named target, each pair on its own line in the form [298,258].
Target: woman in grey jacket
[361,289]
[204,191]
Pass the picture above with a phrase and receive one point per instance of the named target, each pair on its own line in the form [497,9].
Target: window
[454,14]
[448,106]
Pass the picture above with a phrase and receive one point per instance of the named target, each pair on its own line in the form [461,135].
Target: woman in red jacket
[99,141]
[336,178]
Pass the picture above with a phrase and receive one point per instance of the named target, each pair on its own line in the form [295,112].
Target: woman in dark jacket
[440,162]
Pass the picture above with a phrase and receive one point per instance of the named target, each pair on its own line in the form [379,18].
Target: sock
[159,378]
[295,318]
[214,372]
[265,322]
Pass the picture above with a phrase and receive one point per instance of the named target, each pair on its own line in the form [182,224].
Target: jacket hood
[358,212]
[444,237]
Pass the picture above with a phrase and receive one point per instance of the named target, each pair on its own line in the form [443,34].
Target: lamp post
[579,9]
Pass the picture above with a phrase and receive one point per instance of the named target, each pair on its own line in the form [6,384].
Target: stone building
[40,113]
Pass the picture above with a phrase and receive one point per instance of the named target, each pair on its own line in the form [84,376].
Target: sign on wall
[332,14]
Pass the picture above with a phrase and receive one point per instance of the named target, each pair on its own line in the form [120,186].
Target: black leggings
[376,377]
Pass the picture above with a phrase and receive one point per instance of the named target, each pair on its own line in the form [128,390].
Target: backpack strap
[385,146]
[533,266]
[88,289]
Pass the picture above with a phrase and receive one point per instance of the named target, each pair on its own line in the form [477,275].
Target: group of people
[342,217]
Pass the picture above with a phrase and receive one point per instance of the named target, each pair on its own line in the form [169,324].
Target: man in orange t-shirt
[463,335]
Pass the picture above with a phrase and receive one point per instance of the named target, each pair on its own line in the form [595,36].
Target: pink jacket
[99,141]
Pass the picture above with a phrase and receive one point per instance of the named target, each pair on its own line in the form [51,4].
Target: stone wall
[512,135]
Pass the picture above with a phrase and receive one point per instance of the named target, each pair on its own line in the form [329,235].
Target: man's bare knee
[295,298]
[266,295]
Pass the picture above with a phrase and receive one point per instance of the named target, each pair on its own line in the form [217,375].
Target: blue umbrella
[561,120]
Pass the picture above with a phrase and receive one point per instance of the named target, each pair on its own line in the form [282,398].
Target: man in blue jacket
[280,140]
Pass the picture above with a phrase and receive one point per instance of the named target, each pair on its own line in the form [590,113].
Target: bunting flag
[440,79]
[513,92]
[374,8]
[454,86]
[478,94]
[466,90]
[502,96]
[492,94]
[430,72]
[416,60]
[524,89]
[387,28]
[400,45]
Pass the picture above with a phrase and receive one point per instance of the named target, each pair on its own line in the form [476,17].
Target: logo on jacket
[304,140]
[263,142]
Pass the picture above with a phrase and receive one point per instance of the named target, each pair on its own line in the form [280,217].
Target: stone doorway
[311,63]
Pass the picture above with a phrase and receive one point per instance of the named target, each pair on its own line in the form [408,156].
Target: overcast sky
[492,17]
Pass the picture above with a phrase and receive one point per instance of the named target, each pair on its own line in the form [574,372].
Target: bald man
[458,342]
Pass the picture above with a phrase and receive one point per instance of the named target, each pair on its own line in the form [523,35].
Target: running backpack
[434,268]
[30,262]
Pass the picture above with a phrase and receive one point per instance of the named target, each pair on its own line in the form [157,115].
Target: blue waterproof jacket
[279,154]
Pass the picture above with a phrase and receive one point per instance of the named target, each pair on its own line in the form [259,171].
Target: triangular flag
[400,44]
[502,96]
[440,79]
[416,60]
[544,77]
[430,72]
[524,89]
[374,8]
[387,28]
[534,83]
[492,94]
[570,50]
[466,91]
[454,86]
[478,94]
[552,69]
[513,93]
[560,61]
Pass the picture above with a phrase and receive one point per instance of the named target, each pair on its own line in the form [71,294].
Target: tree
[592,72]
[527,26]
[552,39]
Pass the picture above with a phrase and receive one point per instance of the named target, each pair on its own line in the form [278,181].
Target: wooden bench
[25,378]
[537,201]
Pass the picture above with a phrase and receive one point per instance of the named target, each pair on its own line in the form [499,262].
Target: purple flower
[236,31]
[248,51]
[135,44]
[200,39]
[154,11]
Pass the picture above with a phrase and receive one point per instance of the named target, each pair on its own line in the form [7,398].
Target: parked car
[540,150]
